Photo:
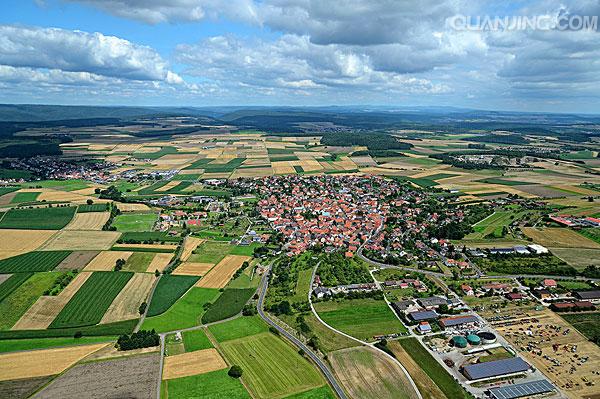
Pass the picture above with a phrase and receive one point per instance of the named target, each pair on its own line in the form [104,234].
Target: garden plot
[46,308]
[193,268]
[28,364]
[159,262]
[126,304]
[127,377]
[16,242]
[192,363]
[77,260]
[106,260]
[88,221]
[366,373]
[220,275]
[82,240]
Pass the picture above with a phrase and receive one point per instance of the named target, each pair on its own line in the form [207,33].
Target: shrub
[235,371]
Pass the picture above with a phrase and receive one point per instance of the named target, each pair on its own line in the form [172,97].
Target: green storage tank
[473,339]
[459,341]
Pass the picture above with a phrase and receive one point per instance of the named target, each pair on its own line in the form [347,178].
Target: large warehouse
[496,368]
[515,391]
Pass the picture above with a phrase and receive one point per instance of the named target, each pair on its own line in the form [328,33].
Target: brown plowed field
[192,363]
[77,260]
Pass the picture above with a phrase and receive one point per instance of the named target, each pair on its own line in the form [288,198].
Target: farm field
[20,299]
[27,364]
[17,242]
[139,262]
[493,225]
[88,221]
[101,207]
[126,304]
[219,276]
[192,363]
[38,218]
[558,237]
[579,258]
[195,340]
[159,262]
[131,377]
[46,308]
[367,373]
[106,260]
[189,245]
[361,318]
[168,291]
[184,313]
[228,304]
[33,262]
[238,328]
[88,305]
[193,269]
[213,385]
[271,367]
[15,345]
[76,260]
[10,282]
[210,252]
[586,323]
[81,240]
[134,222]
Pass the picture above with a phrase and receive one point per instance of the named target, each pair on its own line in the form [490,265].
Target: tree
[235,371]
[156,273]
[89,201]
[142,308]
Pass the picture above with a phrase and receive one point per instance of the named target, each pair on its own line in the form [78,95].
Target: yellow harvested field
[220,275]
[86,191]
[189,245]
[576,189]
[88,221]
[16,242]
[105,260]
[90,240]
[132,207]
[168,186]
[252,172]
[44,362]
[282,168]
[159,262]
[193,268]
[126,304]
[559,237]
[169,247]
[46,308]
[54,195]
[192,363]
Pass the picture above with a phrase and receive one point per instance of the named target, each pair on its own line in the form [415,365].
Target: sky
[301,53]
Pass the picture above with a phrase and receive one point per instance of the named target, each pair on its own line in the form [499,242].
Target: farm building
[457,321]
[423,315]
[459,341]
[537,249]
[487,337]
[424,327]
[496,368]
[515,391]
[592,296]
[431,302]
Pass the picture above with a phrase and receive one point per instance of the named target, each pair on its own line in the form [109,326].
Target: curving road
[324,369]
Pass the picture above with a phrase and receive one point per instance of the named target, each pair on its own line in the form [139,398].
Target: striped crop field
[88,305]
[37,261]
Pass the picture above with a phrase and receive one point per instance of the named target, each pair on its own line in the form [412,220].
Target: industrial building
[515,391]
[458,320]
[423,315]
[496,368]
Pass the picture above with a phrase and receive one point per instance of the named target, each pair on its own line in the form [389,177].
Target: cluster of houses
[338,212]
[57,169]
[179,218]
[424,311]
[493,289]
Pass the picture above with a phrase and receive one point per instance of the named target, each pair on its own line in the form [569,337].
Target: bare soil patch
[23,388]
[77,260]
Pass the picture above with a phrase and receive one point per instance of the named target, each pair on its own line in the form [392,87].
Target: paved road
[324,369]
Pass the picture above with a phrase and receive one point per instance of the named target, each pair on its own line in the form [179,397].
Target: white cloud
[76,51]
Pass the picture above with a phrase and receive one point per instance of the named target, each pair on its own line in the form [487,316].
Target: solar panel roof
[495,368]
[520,390]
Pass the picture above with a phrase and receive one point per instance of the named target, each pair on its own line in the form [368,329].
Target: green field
[433,369]
[12,283]
[37,261]
[102,207]
[493,225]
[134,222]
[244,250]
[108,329]
[229,304]
[13,345]
[6,190]
[361,318]
[92,300]
[223,167]
[591,233]
[244,280]
[504,182]
[18,301]
[211,252]
[25,197]
[65,185]
[213,385]
[196,340]
[14,174]
[38,218]
[587,323]
[318,393]
[238,328]
[184,313]
[168,291]
[139,262]
[133,237]
[157,154]
[271,367]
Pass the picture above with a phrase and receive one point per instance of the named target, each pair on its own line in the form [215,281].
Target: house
[549,283]
[467,290]
[537,249]
[424,327]
[515,296]
[401,306]
[321,292]
[542,294]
